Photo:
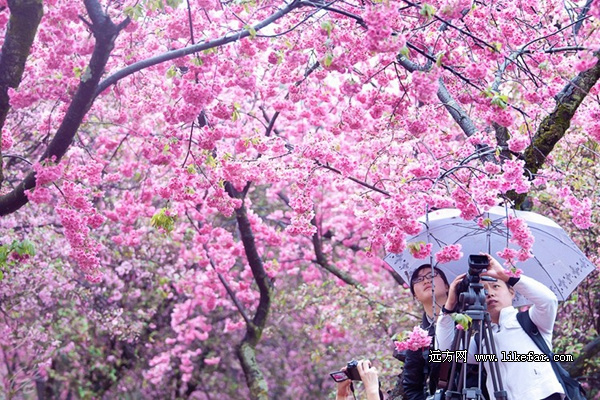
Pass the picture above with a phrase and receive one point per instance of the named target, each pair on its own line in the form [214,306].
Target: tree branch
[322,260]
[25,17]
[247,349]
[230,292]
[581,16]
[555,125]
[458,114]
[105,32]
[171,55]
[365,184]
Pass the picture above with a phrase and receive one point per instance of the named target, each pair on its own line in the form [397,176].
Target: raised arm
[545,303]
[444,330]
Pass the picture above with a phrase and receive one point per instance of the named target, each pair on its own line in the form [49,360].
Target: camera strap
[352,389]
[354,394]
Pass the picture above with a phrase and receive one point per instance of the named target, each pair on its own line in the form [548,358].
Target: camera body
[351,372]
[477,264]
[470,290]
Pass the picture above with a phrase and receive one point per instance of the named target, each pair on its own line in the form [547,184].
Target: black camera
[477,264]
[351,372]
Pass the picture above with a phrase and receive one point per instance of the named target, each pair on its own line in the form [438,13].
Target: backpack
[572,387]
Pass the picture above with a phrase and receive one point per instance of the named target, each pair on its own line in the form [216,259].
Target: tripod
[473,303]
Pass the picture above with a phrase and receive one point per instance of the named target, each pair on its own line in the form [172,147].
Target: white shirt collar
[506,314]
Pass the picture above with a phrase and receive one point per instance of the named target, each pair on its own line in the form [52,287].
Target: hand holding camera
[481,267]
[348,372]
[495,270]
[357,371]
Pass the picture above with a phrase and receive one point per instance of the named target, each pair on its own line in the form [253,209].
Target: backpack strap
[572,388]
[532,330]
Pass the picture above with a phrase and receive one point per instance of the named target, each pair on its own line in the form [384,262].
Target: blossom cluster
[449,253]
[416,340]
[520,235]
[580,210]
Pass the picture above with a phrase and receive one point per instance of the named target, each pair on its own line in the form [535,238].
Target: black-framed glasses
[429,275]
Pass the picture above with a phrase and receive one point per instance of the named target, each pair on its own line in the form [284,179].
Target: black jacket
[420,378]
[417,370]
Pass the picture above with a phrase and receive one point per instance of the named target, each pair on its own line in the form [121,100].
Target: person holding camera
[366,373]
[420,376]
[521,380]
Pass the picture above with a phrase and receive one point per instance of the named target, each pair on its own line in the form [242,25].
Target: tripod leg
[494,370]
[475,331]
[455,383]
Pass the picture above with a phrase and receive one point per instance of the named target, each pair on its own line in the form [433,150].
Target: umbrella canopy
[557,262]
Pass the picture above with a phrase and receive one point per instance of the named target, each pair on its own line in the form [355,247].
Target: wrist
[512,281]
[448,311]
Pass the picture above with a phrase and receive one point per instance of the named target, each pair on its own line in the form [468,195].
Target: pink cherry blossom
[449,253]
[415,340]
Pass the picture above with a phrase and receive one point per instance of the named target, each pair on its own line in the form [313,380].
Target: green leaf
[327,26]
[497,46]
[404,51]
[328,60]
[438,60]
[488,92]
[172,71]
[500,100]
[162,220]
[210,161]
[24,247]
[236,113]
[4,250]
[544,197]
[174,3]
[415,247]
[462,319]
[135,12]
[427,11]
[252,31]
[163,280]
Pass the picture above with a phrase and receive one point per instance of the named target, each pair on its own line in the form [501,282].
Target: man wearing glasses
[417,371]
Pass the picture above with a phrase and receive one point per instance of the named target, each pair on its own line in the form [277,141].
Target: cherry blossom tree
[199,193]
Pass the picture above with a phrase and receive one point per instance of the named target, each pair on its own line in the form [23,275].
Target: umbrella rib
[550,278]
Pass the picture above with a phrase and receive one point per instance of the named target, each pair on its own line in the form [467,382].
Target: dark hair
[416,273]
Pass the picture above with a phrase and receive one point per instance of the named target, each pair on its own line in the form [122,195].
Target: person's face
[499,296]
[422,286]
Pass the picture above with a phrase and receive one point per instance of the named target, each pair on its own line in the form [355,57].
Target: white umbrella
[557,262]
